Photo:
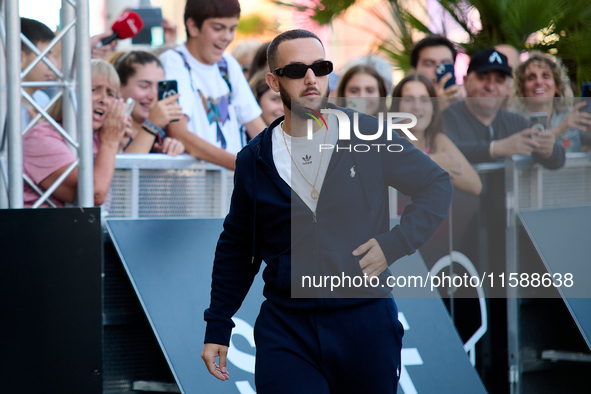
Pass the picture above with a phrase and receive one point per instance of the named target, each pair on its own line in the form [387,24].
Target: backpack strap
[182,55]
[223,67]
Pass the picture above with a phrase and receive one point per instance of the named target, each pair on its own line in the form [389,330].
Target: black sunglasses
[298,70]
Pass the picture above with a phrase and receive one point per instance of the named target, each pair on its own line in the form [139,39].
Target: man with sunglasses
[306,211]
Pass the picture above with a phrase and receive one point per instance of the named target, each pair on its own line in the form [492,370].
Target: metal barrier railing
[530,186]
[157,185]
[148,186]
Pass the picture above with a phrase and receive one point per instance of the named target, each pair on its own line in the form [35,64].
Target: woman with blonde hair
[46,154]
[541,84]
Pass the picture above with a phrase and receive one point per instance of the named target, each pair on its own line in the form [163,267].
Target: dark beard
[301,111]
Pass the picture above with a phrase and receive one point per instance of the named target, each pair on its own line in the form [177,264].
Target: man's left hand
[374,262]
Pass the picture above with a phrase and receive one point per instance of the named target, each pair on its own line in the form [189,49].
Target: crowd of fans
[224,101]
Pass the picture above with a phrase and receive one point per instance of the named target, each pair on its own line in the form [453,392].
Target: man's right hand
[209,353]
[521,143]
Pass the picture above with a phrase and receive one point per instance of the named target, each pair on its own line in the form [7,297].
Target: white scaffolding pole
[3,163]
[84,109]
[68,45]
[76,93]
[13,96]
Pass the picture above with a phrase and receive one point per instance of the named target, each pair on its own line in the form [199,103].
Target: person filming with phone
[483,131]
[541,85]
[434,57]
[141,73]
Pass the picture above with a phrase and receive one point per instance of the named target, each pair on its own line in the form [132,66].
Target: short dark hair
[125,63]
[431,41]
[286,36]
[200,10]
[36,32]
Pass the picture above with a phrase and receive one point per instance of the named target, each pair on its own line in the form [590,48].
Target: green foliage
[401,24]
[563,27]
[252,24]
[568,37]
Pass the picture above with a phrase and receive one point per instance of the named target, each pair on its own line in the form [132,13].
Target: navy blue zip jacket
[266,222]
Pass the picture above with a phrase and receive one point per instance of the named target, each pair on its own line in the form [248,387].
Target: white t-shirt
[204,82]
[307,157]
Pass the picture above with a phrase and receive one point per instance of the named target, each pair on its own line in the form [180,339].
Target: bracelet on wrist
[148,130]
[154,130]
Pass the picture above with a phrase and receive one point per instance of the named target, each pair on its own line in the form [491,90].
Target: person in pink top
[416,95]
[46,154]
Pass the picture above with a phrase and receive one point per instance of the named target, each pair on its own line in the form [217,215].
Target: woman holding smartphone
[416,95]
[140,73]
[541,84]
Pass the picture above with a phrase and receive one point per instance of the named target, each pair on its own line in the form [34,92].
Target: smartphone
[443,69]
[129,104]
[538,121]
[167,88]
[586,94]
[358,104]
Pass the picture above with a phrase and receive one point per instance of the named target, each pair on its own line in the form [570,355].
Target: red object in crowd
[128,25]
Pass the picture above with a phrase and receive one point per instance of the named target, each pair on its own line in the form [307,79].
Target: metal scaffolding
[74,81]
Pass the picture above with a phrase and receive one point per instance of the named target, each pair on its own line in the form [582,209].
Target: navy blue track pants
[348,351]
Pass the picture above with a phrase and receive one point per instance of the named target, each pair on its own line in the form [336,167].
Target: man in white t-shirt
[214,94]
[305,211]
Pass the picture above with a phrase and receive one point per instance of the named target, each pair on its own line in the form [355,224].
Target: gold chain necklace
[314,193]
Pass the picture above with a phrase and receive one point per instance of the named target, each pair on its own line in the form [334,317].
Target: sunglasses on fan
[298,70]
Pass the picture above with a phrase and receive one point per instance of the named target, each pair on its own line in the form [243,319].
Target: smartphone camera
[538,121]
[129,104]
[443,69]
[167,89]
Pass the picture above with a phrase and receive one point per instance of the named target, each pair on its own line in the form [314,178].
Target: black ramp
[562,238]
[433,354]
[169,262]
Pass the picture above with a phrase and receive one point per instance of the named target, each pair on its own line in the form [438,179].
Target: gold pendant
[314,193]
